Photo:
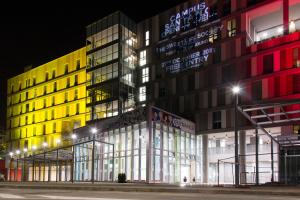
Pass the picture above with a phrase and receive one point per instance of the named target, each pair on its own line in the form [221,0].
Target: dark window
[26,120]
[268,64]
[45,90]
[55,87]
[33,81]
[53,74]
[217,55]
[256,91]
[76,95]
[54,127]
[66,69]
[44,129]
[217,120]
[221,97]
[27,107]
[26,95]
[296,83]
[33,118]
[78,64]
[228,73]
[162,92]
[191,82]
[77,108]
[76,80]
[47,76]
[68,82]
[226,7]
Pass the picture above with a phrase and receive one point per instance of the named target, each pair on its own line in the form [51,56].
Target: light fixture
[93,130]
[265,34]
[236,89]
[58,141]
[45,144]
[33,147]
[11,154]
[98,144]
[292,26]
[73,136]
[18,152]
[25,150]
[280,30]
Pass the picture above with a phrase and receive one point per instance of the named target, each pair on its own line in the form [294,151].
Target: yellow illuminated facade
[46,103]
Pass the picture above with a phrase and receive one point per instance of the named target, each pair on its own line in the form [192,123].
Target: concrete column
[205,158]
[242,150]
[286,16]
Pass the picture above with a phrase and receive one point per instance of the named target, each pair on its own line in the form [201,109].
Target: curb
[152,189]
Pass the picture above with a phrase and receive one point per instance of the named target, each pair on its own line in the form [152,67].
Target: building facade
[186,61]
[45,103]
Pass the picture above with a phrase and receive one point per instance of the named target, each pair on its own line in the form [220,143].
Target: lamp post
[93,131]
[236,90]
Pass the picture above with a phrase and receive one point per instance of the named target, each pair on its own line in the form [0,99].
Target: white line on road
[10,196]
[79,198]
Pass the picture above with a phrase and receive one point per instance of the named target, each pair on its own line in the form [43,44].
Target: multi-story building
[45,103]
[186,61]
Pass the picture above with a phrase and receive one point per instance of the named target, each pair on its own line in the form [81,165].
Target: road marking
[79,198]
[10,196]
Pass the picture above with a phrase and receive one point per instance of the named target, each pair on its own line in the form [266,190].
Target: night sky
[33,34]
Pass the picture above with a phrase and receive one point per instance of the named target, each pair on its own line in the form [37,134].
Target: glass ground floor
[156,151]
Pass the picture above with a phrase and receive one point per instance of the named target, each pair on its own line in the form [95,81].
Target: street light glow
[11,154]
[45,144]
[93,130]
[25,150]
[18,152]
[73,136]
[58,141]
[33,147]
[236,89]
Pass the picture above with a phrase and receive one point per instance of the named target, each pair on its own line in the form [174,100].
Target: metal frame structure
[57,157]
[271,115]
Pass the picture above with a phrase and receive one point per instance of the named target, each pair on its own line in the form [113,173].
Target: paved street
[93,195]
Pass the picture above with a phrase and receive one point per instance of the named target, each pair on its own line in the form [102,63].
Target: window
[76,80]
[67,111]
[296,57]
[77,108]
[35,93]
[26,95]
[33,81]
[34,131]
[27,107]
[55,87]
[47,76]
[268,64]
[217,120]
[66,97]
[68,82]
[12,88]
[53,74]
[52,114]
[53,101]
[142,93]
[145,75]
[105,73]
[46,115]
[33,106]
[26,120]
[45,103]
[66,68]
[105,36]
[33,118]
[44,129]
[143,58]
[54,127]
[78,64]
[75,94]
[105,55]
[147,38]
[231,28]
[45,90]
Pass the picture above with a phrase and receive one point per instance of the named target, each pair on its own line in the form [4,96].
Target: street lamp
[236,90]
[93,130]
[74,136]
[58,141]
[11,154]
[45,144]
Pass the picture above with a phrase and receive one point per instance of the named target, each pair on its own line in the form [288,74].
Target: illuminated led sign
[193,60]
[184,44]
[186,19]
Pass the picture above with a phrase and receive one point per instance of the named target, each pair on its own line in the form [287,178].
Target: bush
[122,178]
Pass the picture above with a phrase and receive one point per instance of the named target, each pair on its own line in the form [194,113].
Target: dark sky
[33,34]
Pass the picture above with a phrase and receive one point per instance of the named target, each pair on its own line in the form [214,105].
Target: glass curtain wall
[173,155]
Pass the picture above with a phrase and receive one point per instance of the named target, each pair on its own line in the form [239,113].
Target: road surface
[94,195]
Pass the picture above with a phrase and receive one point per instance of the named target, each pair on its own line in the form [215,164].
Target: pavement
[11,194]
[274,190]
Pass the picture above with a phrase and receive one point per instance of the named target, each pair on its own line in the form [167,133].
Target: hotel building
[186,61]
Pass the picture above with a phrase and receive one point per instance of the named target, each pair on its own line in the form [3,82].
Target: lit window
[231,27]
[145,75]
[143,58]
[142,93]
[147,38]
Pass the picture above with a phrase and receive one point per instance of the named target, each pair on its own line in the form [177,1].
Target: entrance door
[185,173]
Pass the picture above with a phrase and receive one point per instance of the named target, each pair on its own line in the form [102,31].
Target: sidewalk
[140,187]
